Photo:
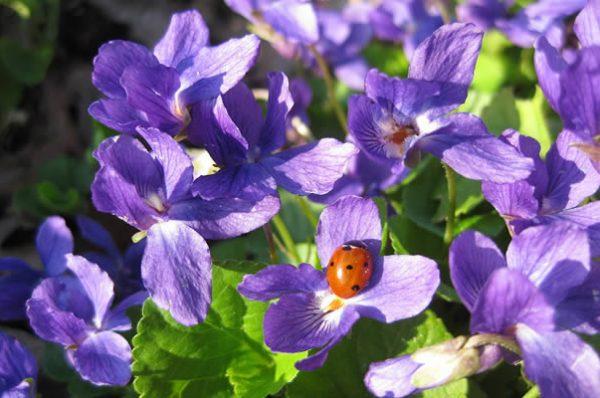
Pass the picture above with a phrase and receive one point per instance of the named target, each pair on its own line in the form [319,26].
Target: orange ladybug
[349,270]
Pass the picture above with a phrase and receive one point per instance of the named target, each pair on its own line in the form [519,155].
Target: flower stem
[328,78]
[286,237]
[271,242]
[450,218]
[303,202]
[496,339]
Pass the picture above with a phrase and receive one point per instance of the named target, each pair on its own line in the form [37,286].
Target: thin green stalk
[286,237]
[328,78]
[271,242]
[303,202]
[450,218]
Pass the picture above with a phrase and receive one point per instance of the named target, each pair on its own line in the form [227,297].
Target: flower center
[332,303]
[154,201]
[398,141]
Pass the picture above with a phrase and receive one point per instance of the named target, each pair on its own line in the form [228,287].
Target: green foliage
[222,357]
[61,188]
[388,58]
[343,373]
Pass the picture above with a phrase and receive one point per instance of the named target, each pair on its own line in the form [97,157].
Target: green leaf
[370,341]
[409,238]
[27,66]
[419,200]
[533,116]
[224,356]
[533,393]
[388,58]
[489,224]
[468,196]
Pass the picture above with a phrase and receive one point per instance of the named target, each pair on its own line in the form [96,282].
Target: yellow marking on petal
[335,304]
[138,236]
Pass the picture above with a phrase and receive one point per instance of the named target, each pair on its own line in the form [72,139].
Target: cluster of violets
[196,159]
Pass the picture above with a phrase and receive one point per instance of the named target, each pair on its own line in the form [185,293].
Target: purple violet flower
[155,89]
[554,190]
[53,241]
[540,18]
[309,315]
[297,121]
[147,182]
[286,24]
[398,118]
[517,303]
[18,369]
[405,21]
[570,87]
[241,142]
[123,268]
[74,311]
[343,37]
[366,177]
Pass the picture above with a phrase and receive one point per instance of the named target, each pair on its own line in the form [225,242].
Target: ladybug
[349,270]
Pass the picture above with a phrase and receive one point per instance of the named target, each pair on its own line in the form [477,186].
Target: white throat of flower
[202,162]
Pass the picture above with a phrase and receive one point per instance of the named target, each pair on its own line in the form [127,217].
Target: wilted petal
[214,70]
[104,359]
[392,378]
[311,168]
[559,363]
[186,35]
[554,257]
[112,59]
[416,277]
[507,299]
[277,280]
[473,258]
[176,270]
[467,147]
[53,242]
[349,219]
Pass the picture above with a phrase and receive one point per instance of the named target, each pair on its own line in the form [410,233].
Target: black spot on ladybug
[347,247]
[366,265]
[331,264]
[349,266]
[356,288]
